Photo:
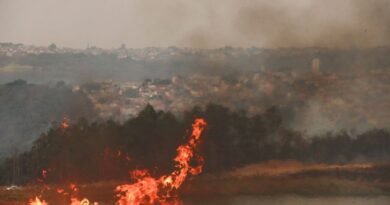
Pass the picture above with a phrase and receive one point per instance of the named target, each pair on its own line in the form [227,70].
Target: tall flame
[148,190]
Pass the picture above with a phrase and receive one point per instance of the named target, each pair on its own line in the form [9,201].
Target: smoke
[314,23]
[356,105]
[210,24]
[27,110]
[204,24]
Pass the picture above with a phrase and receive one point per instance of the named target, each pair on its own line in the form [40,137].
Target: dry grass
[273,178]
[280,168]
[292,177]
[310,186]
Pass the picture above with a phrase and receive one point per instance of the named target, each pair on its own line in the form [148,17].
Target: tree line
[106,150]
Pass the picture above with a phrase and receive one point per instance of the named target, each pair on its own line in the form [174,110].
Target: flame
[64,124]
[37,201]
[146,189]
[75,201]
[149,190]
[44,173]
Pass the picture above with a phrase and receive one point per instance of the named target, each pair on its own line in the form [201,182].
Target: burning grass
[308,180]
[145,188]
[271,178]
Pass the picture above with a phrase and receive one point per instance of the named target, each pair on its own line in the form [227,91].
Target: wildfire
[64,124]
[37,201]
[44,174]
[150,190]
[75,201]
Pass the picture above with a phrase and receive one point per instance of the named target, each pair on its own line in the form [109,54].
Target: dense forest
[95,151]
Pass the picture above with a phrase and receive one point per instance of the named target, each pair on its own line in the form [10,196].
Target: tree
[52,46]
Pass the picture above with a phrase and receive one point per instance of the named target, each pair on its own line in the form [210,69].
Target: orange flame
[64,124]
[149,190]
[75,201]
[37,201]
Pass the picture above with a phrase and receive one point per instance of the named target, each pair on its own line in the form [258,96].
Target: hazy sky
[196,23]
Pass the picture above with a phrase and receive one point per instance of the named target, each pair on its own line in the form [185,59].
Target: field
[273,179]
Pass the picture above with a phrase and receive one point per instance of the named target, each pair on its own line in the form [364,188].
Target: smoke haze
[353,99]
[206,24]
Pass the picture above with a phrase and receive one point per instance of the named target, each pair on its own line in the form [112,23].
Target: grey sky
[196,23]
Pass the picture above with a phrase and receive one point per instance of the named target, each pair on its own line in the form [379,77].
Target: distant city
[315,89]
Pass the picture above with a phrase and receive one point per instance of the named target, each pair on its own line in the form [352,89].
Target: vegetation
[89,152]
[27,110]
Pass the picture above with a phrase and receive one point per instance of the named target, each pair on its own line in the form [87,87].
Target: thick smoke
[205,24]
[314,23]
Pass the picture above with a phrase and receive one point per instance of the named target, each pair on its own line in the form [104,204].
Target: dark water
[290,200]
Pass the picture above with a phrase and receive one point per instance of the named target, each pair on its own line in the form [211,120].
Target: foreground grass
[275,179]
[308,186]
[291,177]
